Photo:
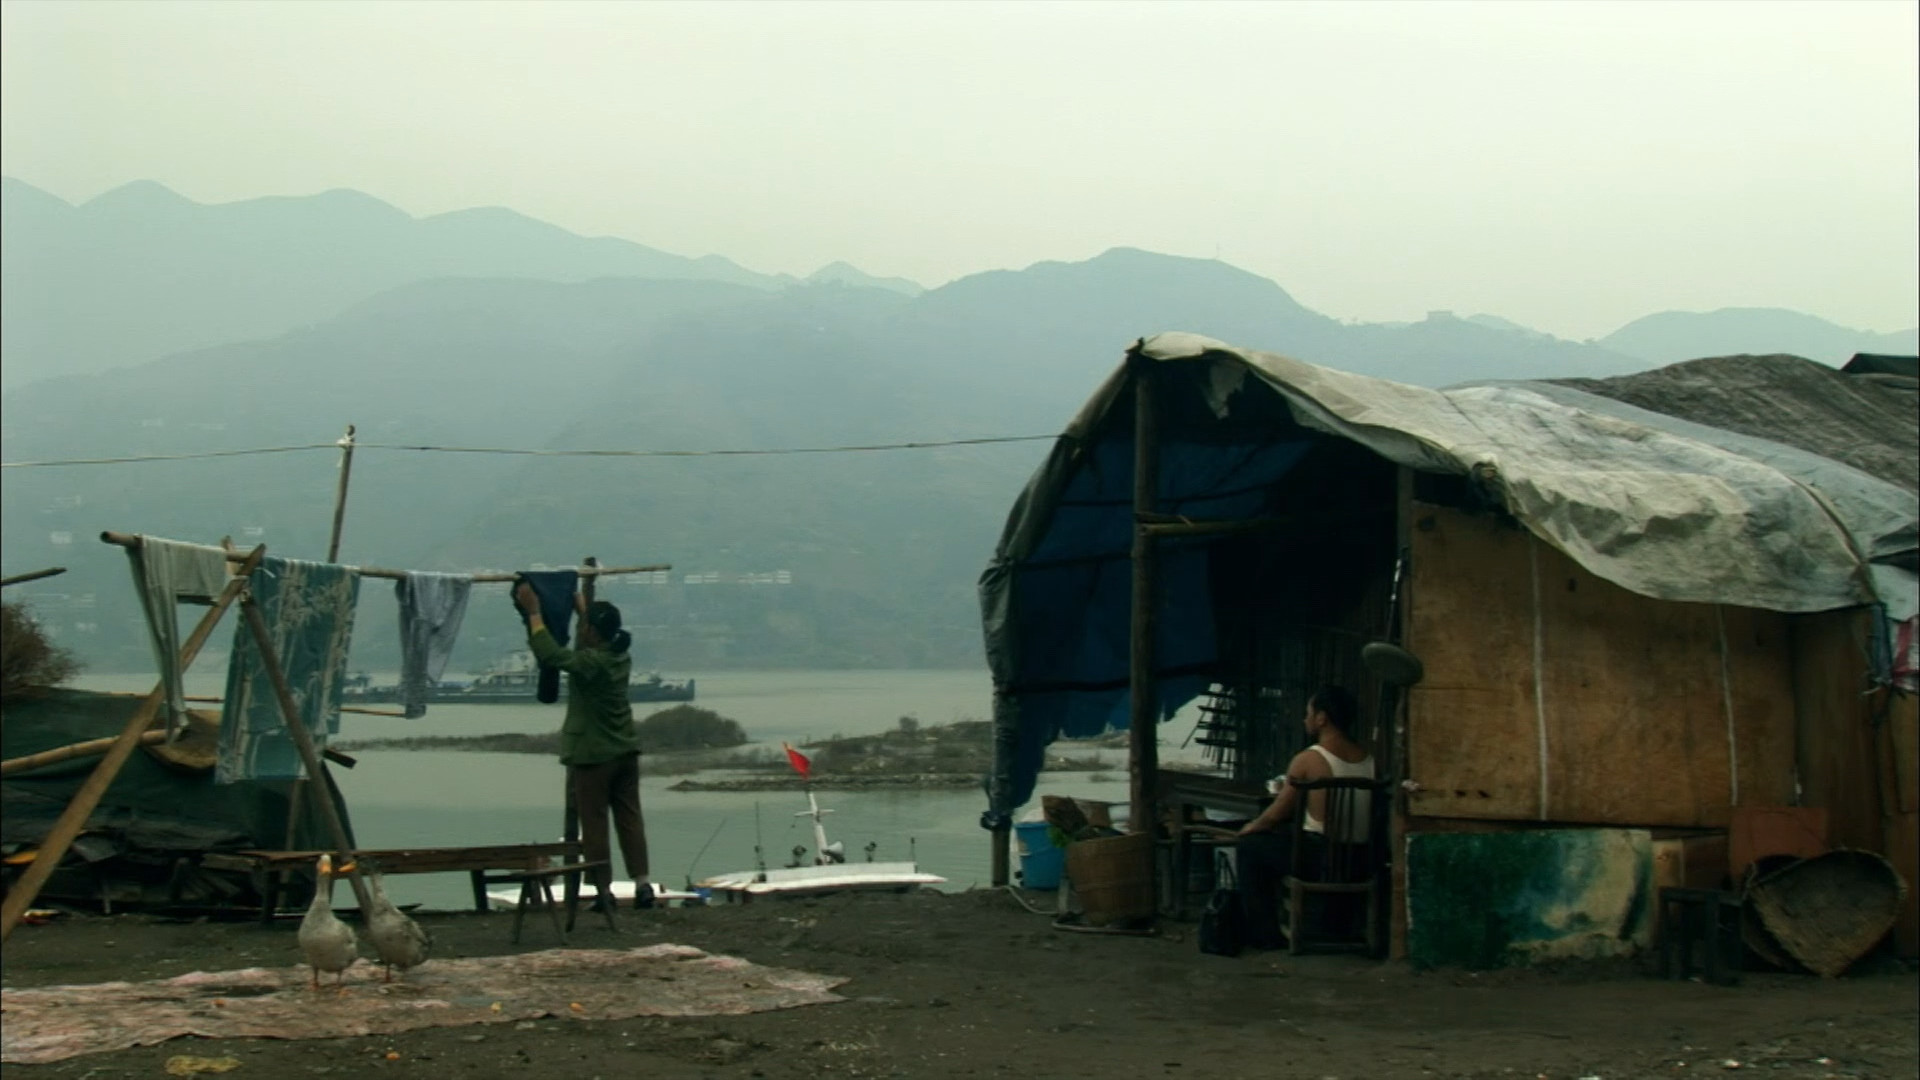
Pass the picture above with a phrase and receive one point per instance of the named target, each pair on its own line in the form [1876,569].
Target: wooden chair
[1343,865]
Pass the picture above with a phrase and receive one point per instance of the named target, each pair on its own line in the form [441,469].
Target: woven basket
[1829,911]
[197,746]
[1113,877]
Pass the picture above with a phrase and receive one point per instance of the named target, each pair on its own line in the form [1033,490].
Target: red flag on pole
[799,762]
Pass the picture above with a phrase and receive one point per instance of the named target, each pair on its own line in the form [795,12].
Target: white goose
[400,941]
[327,943]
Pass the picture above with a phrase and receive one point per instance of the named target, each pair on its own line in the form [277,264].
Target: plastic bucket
[1040,860]
[1113,877]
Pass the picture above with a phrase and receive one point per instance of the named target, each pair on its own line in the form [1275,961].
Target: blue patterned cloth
[308,608]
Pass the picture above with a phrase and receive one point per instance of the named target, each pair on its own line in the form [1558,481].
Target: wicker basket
[1829,911]
[1113,877]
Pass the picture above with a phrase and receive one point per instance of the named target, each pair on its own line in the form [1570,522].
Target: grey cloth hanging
[164,571]
[431,609]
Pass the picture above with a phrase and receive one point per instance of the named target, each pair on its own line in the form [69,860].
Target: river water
[412,798]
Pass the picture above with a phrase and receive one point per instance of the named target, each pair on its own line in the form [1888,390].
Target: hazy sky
[1569,166]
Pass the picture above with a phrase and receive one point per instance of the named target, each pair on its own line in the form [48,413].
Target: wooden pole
[89,748]
[1396,734]
[74,818]
[19,579]
[1143,736]
[340,495]
[130,540]
[570,817]
[303,742]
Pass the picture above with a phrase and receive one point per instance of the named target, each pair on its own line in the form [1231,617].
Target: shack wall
[1857,751]
[1552,695]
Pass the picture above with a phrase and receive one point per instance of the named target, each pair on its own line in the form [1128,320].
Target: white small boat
[833,877]
[623,891]
[830,871]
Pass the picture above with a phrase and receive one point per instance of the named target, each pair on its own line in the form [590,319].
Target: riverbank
[973,984]
[910,756]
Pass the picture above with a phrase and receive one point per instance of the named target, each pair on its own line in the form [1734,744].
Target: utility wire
[521,452]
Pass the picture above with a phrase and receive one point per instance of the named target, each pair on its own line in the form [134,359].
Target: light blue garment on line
[308,608]
[431,609]
[163,572]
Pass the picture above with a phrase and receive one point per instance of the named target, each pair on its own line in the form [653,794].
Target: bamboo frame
[67,828]
[88,748]
[21,579]
[131,540]
[340,495]
[303,743]
[1143,746]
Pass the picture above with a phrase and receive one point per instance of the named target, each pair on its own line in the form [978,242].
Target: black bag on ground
[1222,931]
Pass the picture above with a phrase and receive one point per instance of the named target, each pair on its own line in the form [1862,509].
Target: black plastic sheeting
[153,814]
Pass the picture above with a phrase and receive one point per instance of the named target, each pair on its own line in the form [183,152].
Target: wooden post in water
[66,829]
[1143,737]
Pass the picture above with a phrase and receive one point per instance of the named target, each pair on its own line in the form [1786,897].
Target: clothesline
[521,452]
[132,541]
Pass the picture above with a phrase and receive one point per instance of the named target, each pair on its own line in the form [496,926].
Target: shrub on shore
[689,727]
[29,662]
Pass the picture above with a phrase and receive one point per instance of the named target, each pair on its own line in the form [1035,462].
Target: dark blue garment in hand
[555,589]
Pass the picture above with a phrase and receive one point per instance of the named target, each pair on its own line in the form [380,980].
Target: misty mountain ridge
[1672,336]
[141,272]
[598,344]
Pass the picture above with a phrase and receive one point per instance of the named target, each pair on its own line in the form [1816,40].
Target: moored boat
[510,682]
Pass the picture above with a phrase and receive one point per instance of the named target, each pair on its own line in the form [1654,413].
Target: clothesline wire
[523,452]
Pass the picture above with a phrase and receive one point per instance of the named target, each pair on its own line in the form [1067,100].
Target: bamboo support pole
[303,742]
[74,818]
[1168,526]
[89,748]
[340,495]
[1144,728]
[21,579]
[357,709]
[570,816]
[129,540]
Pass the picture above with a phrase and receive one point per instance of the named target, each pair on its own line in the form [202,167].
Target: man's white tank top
[1360,820]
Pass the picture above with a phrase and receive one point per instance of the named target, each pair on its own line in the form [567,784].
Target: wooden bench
[486,865]
[538,884]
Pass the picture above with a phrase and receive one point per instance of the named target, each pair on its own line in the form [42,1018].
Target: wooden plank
[1834,731]
[1636,714]
[1760,685]
[425,860]
[1472,734]
[1903,736]
[1903,851]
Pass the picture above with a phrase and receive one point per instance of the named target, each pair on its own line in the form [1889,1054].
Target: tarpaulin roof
[1663,505]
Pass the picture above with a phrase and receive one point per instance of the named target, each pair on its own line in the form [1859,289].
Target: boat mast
[819,828]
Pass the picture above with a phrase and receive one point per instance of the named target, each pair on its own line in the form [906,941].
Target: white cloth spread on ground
[431,609]
[163,572]
[60,1022]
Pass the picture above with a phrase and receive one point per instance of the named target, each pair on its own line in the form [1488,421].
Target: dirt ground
[972,984]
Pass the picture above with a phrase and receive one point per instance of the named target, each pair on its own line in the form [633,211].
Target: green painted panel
[1499,899]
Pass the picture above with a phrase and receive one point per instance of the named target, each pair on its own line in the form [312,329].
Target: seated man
[1265,847]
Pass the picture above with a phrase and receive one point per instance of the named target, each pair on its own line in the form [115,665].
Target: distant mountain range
[1672,336]
[152,325]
